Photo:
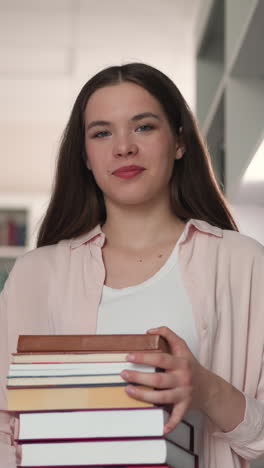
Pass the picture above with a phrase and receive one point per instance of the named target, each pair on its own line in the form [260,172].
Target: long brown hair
[77,203]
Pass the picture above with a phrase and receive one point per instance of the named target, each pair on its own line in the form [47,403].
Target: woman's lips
[126,172]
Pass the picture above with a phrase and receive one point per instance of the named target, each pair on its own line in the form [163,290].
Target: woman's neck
[139,228]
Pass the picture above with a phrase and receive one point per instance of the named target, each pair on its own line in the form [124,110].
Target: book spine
[68,385]
[88,439]
[71,343]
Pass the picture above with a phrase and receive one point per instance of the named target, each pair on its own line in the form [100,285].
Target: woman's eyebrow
[97,123]
[144,115]
[135,118]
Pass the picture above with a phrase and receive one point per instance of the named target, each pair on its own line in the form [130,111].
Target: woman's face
[129,144]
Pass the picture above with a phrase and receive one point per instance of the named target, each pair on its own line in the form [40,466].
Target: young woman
[138,237]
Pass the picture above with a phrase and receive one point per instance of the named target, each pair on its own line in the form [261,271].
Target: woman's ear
[180,151]
[180,146]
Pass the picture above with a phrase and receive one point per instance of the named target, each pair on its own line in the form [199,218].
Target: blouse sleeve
[8,422]
[247,439]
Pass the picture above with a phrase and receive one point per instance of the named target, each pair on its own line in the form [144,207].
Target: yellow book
[65,398]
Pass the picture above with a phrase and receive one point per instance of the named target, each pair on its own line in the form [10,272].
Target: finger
[180,377]
[176,343]
[177,415]
[161,360]
[164,361]
[158,397]
[155,379]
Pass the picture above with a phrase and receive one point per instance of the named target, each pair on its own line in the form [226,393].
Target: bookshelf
[230,85]
[20,216]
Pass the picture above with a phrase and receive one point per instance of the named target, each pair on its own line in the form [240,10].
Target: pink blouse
[57,289]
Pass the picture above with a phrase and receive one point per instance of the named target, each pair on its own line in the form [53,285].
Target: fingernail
[152,329]
[130,357]
[124,374]
[130,390]
[167,429]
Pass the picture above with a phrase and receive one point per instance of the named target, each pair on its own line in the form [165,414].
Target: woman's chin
[132,201]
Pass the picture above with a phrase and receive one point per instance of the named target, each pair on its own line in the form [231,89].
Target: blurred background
[212,50]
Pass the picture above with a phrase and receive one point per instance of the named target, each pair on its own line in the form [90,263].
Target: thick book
[75,368]
[107,452]
[91,424]
[33,358]
[64,398]
[90,343]
[65,381]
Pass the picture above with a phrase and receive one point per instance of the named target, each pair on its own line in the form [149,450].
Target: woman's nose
[125,149]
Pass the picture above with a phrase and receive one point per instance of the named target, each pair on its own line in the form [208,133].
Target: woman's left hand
[182,383]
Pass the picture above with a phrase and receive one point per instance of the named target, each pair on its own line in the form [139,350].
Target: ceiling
[48,50]
[45,39]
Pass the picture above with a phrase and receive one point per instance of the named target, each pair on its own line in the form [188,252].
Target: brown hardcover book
[90,343]
[58,398]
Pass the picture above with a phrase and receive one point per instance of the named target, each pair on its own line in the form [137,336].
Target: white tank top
[160,300]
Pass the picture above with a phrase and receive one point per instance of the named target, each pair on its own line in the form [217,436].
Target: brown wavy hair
[77,203]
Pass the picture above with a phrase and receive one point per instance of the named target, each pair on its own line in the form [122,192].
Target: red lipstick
[127,172]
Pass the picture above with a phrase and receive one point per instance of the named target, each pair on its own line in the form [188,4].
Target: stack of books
[74,410]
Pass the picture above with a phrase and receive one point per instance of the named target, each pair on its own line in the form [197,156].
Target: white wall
[250,219]
[50,48]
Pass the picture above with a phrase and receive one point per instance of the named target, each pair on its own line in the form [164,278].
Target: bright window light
[255,170]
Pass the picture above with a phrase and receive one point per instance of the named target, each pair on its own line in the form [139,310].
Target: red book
[12,232]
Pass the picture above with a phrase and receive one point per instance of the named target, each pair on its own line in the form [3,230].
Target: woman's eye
[145,128]
[101,134]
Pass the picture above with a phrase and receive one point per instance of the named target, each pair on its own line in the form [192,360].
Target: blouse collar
[97,236]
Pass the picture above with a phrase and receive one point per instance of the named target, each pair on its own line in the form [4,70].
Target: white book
[107,452]
[64,381]
[68,357]
[86,368]
[85,424]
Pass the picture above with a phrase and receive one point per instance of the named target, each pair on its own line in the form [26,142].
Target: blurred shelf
[11,251]
[230,85]
[33,207]
[210,60]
